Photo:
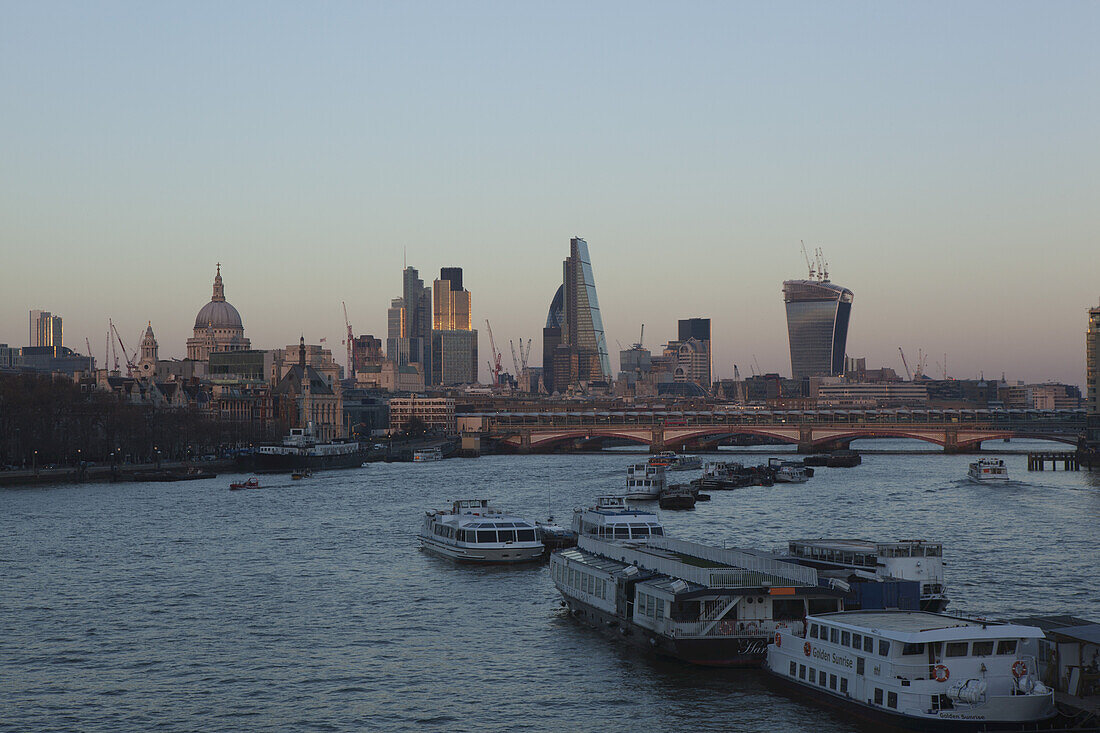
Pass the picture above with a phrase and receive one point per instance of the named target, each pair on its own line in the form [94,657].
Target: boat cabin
[613,519]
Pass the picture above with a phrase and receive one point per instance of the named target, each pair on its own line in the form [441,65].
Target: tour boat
[474,532]
[855,561]
[700,604]
[252,483]
[613,519]
[916,670]
[644,482]
[427,454]
[674,462]
[988,470]
[301,450]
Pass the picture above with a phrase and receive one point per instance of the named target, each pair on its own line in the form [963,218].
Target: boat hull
[504,555]
[743,652]
[885,717]
[277,462]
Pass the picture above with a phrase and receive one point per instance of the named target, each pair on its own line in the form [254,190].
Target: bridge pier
[805,439]
[951,441]
[525,442]
[657,440]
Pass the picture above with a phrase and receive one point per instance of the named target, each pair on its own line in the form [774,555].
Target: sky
[943,155]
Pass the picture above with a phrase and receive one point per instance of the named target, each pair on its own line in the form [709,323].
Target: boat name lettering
[961,716]
[838,659]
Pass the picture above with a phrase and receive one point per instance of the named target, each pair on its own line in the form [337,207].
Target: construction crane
[130,365]
[809,265]
[515,358]
[905,364]
[495,365]
[922,364]
[89,345]
[758,369]
[350,342]
[524,353]
[641,338]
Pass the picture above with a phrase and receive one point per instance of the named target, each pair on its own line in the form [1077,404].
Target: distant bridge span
[954,431]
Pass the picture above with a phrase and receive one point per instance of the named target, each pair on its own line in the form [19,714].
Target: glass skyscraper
[817,326]
[574,346]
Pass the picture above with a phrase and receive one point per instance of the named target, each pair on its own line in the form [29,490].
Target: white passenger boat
[644,482]
[917,670]
[791,475]
[672,461]
[854,560]
[988,470]
[612,519]
[472,531]
[427,454]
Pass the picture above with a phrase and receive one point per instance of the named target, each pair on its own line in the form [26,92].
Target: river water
[307,606]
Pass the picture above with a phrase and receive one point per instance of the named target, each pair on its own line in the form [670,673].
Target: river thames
[307,606]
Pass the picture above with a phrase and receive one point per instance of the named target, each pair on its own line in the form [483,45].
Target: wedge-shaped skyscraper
[817,326]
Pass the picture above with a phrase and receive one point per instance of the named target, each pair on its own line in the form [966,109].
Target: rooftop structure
[218,326]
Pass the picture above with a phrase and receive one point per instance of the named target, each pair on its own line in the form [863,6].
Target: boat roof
[856,545]
[922,626]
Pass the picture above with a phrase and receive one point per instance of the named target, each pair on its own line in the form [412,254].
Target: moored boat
[613,519]
[300,450]
[791,475]
[915,670]
[700,604]
[474,532]
[425,455]
[644,482]
[677,497]
[673,461]
[988,470]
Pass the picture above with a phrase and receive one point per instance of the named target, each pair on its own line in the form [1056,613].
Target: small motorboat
[252,483]
[304,473]
[677,497]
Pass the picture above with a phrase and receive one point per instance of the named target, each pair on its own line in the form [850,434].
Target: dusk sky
[944,156]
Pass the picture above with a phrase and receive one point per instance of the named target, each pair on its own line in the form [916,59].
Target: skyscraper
[1092,377]
[817,325]
[408,340]
[45,330]
[574,347]
[454,341]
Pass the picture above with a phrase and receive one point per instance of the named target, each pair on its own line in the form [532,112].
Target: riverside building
[1092,377]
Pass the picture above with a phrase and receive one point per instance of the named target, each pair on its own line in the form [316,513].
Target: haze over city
[943,157]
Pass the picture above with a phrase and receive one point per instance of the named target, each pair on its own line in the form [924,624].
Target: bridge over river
[811,430]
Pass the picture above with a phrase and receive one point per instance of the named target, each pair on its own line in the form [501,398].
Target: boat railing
[732,628]
[745,569]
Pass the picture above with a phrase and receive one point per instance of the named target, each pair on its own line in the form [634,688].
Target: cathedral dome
[218,313]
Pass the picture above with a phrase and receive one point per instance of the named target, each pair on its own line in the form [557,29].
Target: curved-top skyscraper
[574,348]
[817,326]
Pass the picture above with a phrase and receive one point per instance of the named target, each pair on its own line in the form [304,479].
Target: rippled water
[306,605]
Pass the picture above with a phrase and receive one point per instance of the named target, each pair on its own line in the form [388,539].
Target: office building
[574,347]
[366,351]
[1092,377]
[8,356]
[453,338]
[817,325]
[45,330]
[408,340]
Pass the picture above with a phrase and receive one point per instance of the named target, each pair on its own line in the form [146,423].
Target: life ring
[806,648]
[751,627]
[1019,668]
[777,639]
[941,673]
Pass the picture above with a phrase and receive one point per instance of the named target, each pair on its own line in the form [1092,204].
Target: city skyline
[941,157]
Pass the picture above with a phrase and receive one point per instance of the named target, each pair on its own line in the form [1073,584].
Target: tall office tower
[580,354]
[45,330]
[817,323]
[454,340]
[1092,377]
[693,352]
[408,338]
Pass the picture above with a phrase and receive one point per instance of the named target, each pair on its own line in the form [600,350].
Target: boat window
[868,645]
[506,535]
[957,648]
[802,671]
[658,531]
[859,665]
[845,638]
[982,648]
[525,535]
[813,631]
[813,675]
[787,609]
[912,649]
[484,535]
[892,699]
[640,532]
[857,642]
[1006,647]
[832,681]
[622,533]
[821,678]
[794,668]
[821,605]
[883,648]
[833,634]
[878,696]
[844,685]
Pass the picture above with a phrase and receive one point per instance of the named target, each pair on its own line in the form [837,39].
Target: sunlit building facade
[1092,376]
[817,326]
[453,339]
